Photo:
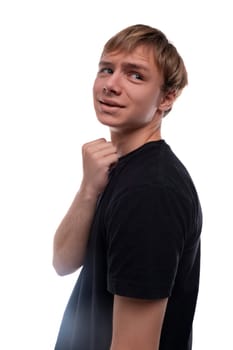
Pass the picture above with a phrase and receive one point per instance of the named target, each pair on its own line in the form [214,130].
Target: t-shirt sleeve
[145,237]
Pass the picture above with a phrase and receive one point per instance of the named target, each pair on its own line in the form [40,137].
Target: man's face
[127,89]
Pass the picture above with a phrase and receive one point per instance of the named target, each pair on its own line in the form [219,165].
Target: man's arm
[137,323]
[71,237]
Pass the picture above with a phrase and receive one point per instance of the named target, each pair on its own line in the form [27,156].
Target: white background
[49,51]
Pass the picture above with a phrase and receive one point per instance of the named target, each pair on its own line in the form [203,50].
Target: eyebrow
[126,65]
[135,66]
[104,63]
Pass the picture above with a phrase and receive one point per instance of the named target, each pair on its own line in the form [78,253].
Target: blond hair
[167,58]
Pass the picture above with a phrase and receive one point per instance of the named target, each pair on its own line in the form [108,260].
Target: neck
[126,142]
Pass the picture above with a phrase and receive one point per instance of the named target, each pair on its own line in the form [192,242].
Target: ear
[167,101]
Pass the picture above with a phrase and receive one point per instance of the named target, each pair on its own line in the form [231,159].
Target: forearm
[71,237]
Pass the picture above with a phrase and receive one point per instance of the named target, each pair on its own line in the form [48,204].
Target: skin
[137,323]
[71,237]
[134,104]
[128,99]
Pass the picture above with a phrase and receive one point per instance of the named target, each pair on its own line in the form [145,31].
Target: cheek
[97,86]
[146,101]
[94,94]
[94,86]
[147,105]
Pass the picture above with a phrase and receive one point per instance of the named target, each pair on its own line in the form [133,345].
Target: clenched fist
[98,156]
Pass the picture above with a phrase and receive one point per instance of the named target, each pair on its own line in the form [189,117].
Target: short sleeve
[145,239]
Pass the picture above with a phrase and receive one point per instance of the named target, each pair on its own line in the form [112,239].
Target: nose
[112,84]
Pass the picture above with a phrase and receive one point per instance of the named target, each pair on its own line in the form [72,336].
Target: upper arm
[137,323]
[144,243]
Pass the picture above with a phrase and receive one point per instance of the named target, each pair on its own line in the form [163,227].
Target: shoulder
[154,163]
[145,200]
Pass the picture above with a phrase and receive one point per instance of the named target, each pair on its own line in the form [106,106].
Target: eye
[106,70]
[136,76]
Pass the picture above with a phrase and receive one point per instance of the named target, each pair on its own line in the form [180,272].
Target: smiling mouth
[110,104]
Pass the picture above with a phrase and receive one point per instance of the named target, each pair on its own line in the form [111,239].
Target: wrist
[88,192]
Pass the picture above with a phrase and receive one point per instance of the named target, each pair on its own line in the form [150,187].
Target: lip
[110,103]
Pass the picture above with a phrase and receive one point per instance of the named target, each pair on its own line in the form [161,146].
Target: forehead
[142,55]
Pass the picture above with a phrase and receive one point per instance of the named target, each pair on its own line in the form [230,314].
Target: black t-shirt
[144,243]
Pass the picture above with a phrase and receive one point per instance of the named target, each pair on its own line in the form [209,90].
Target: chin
[107,119]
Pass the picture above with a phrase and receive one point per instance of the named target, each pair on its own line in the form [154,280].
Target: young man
[135,223]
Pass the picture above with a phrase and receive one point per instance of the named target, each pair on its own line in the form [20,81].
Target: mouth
[110,103]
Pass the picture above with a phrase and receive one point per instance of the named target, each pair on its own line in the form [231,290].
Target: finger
[102,139]
[95,143]
[99,148]
[108,160]
[105,151]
